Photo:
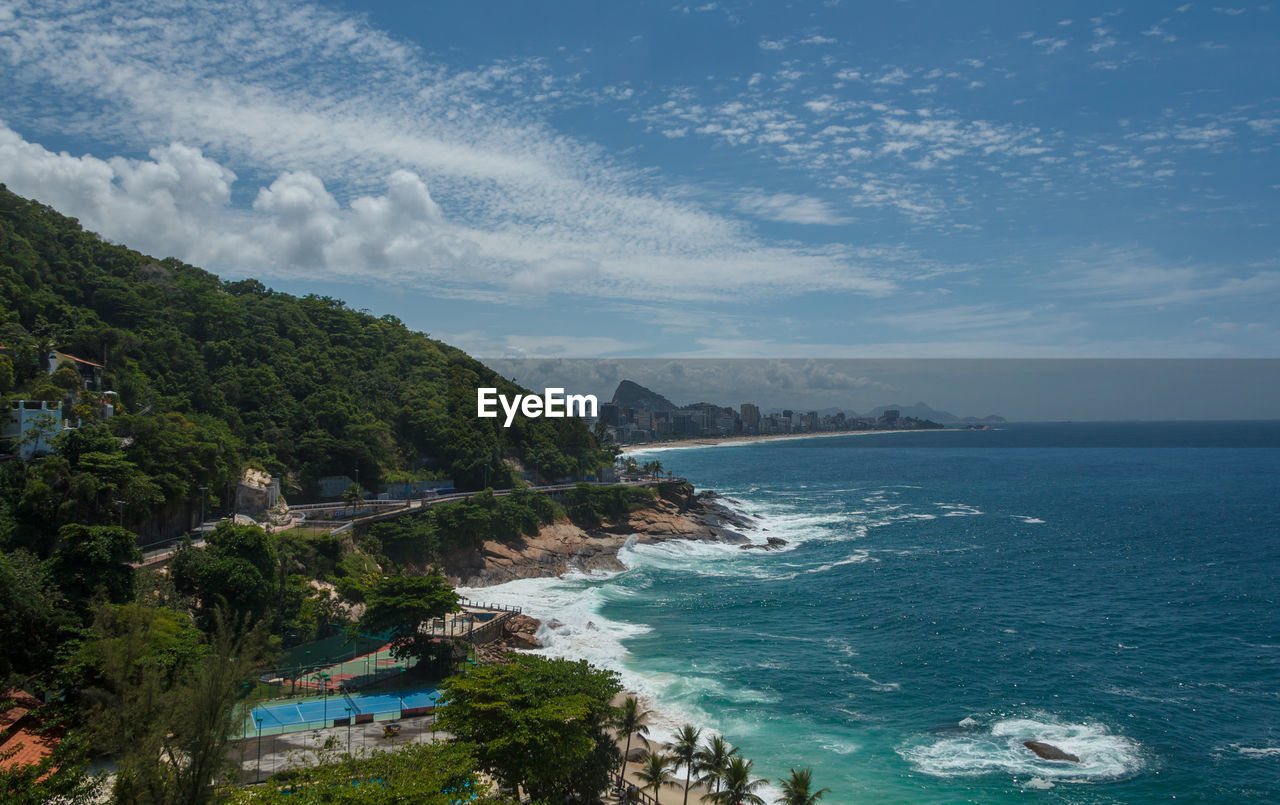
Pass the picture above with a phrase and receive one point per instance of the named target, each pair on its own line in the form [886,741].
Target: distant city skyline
[810,179]
[1023,390]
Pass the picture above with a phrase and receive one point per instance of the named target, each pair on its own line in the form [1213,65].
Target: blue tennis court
[292,714]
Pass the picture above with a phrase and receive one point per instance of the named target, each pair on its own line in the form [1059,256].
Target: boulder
[637,754]
[771,544]
[520,631]
[1050,752]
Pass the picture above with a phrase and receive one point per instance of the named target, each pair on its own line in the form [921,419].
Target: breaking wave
[999,749]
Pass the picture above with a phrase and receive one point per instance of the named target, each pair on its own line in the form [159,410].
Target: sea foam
[999,749]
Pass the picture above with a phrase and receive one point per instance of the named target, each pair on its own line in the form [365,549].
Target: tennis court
[318,711]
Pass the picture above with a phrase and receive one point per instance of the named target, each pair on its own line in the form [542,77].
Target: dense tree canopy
[430,535]
[398,606]
[212,375]
[539,723]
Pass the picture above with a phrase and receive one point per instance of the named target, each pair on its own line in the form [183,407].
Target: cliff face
[561,547]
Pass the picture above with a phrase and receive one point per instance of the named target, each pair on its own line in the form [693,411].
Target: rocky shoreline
[562,547]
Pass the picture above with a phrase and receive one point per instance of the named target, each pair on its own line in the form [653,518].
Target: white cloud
[1140,279]
[340,131]
[790,209]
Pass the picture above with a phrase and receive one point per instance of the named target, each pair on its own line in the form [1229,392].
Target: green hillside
[214,376]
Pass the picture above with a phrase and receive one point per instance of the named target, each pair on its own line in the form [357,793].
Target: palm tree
[657,771]
[712,761]
[739,787]
[685,750]
[633,720]
[795,791]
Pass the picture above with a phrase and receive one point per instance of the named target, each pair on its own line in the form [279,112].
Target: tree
[685,750]
[31,616]
[632,720]
[739,786]
[539,724]
[89,559]
[167,715]
[65,378]
[352,496]
[713,760]
[657,772]
[423,774]
[398,606]
[236,570]
[795,789]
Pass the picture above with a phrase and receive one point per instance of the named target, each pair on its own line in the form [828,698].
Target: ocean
[1110,588]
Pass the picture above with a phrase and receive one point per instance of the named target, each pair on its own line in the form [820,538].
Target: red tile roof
[25,747]
[62,355]
[21,745]
[12,716]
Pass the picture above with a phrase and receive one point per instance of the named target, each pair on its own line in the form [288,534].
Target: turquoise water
[944,597]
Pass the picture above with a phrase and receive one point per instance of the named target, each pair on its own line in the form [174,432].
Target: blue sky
[829,179]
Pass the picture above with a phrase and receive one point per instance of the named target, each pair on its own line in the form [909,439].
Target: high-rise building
[609,413]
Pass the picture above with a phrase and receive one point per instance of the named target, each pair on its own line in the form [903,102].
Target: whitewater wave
[855,558]
[998,749]
[574,628]
[958,509]
[1251,751]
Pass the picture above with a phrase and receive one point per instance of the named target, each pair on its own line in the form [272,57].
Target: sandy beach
[728,441]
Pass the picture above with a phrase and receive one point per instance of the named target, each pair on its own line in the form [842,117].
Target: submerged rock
[772,544]
[1050,752]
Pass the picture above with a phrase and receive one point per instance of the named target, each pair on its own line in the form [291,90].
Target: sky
[1019,389]
[610,180]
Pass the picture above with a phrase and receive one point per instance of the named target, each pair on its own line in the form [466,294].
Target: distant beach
[715,441]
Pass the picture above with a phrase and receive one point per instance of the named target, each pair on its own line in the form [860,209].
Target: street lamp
[120,505]
[325,684]
[257,774]
[348,730]
[203,490]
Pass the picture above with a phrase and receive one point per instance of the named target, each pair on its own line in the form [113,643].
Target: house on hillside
[24,741]
[90,372]
[31,425]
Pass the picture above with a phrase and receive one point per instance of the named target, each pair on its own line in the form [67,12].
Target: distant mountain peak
[633,395]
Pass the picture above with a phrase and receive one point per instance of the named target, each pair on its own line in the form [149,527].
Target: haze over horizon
[1026,390]
[822,180]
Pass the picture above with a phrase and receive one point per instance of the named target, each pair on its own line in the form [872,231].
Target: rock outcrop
[1050,752]
[563,546]
[771,544]
[518,632]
